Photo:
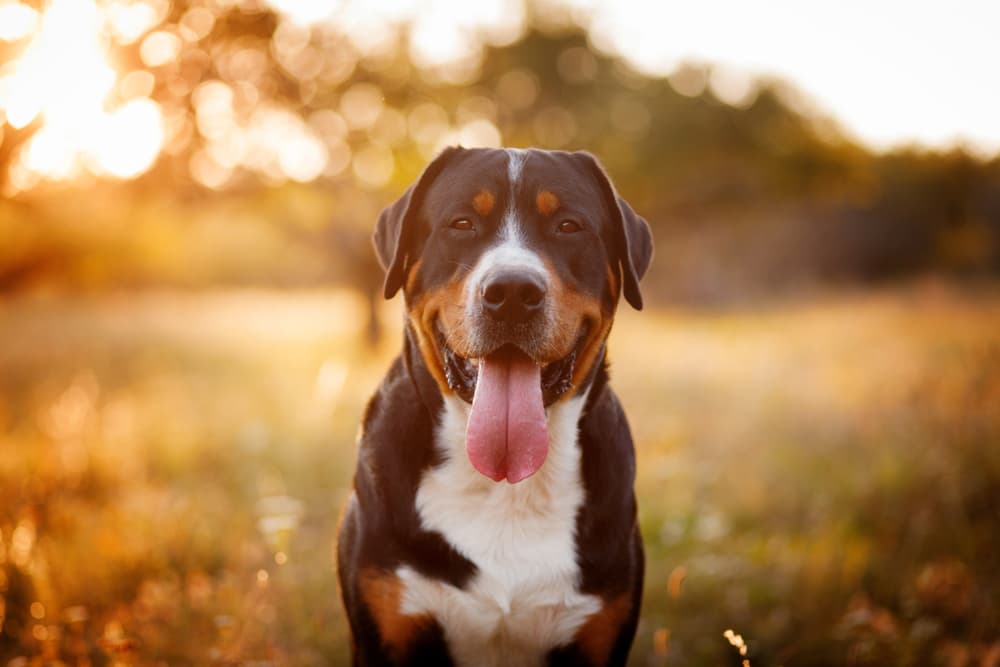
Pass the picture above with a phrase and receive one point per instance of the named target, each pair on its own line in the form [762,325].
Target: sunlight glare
[63,72]
[63,78]
[305,12]
[302,157]
[433,43]
[45,153]
[129,21]
[128,139]
[17,21]
[273,141]
[452,30]
[915,72]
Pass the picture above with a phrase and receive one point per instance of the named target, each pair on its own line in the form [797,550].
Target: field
[822,477]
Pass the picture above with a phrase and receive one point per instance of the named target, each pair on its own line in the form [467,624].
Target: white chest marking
[523,600]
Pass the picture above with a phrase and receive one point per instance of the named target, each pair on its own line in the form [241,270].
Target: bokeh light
[360,105]
[479,133]
[63,72]
[733,85]
[196,24]
[930,55]
[17,21]
[305,12]
[127,140]
[75,63]
[373,165]
[192,316]
[129,20]
[63,78]
[518,88]
[160,48]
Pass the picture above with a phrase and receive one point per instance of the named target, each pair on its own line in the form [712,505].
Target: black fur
[381,529]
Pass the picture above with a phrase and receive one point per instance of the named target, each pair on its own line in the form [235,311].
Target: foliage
[764,198]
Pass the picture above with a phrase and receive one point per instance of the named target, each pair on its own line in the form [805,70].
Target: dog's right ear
[633,239]
[397,239]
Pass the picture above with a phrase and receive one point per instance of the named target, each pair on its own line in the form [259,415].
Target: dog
[493,516]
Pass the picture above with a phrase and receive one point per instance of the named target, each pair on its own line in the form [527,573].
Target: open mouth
[462,373]
[507,433]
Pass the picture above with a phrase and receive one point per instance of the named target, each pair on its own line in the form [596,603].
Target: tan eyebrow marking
[546,202]
[483,202]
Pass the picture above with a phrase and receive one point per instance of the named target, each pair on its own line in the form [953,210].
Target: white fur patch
[523,602]
[509,226]
[511,251]
[509,254]
[515,163]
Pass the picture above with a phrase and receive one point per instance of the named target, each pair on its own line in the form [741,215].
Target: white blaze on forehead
[509,227]
[511,251]
[515,163]
[510,254]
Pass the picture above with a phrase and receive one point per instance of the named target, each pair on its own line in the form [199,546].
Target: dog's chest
[523,601]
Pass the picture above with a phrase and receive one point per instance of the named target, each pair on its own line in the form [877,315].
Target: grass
[822,478]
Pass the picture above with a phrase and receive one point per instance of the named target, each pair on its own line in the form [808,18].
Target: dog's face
[512,260]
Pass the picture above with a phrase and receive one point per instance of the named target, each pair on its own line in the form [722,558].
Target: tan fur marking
[382,595]
[483,202]
[447,305]
[411,278]
[590,351]
[546,202]
[572,310]
[597,636]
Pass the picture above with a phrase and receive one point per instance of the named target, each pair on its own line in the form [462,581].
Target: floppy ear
[633,240]
[396,235]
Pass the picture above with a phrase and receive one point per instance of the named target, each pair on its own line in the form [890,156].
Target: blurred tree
[750,196]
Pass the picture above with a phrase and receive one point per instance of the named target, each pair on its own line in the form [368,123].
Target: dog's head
[512,263]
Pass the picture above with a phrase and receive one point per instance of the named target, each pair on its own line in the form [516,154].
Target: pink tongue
[507,436]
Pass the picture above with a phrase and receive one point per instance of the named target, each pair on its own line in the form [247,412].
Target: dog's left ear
[396,236]
[633,238]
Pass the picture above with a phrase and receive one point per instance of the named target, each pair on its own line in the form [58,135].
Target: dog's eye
[569,226]
[461,225]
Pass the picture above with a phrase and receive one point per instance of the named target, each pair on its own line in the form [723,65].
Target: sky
[889,72]
[892,72]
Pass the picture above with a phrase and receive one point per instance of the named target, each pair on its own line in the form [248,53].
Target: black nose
[510,296]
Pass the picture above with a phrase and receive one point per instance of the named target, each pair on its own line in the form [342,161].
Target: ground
[821,476]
